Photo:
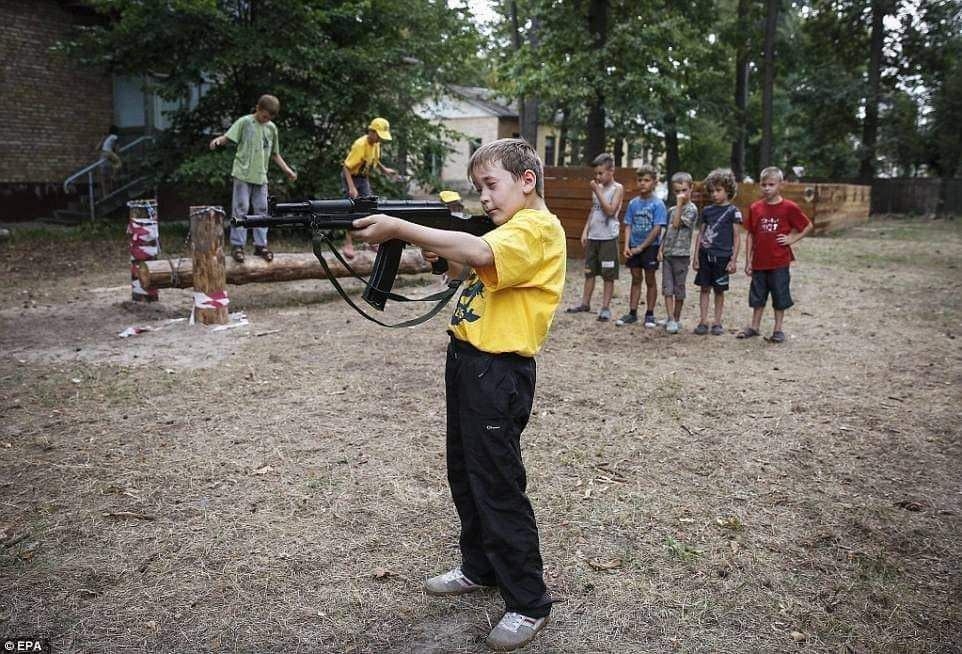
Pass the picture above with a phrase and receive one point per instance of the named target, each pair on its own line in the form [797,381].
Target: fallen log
[179,273]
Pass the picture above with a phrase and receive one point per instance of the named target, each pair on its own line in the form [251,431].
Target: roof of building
[486,100]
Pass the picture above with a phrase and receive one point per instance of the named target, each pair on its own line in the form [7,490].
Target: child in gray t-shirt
[675,251]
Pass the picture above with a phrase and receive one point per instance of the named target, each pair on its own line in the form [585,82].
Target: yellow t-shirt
[509,306]
[363,157]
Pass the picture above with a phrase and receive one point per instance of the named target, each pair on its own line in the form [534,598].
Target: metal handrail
[88,170]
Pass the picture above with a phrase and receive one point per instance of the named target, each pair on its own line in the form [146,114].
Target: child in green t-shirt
[256,138]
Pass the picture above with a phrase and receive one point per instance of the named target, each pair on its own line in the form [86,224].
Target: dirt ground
[280,487]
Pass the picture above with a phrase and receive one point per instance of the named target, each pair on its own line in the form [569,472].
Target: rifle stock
[326,215]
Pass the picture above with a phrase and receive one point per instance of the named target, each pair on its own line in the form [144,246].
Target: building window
[549,150]
[473,145]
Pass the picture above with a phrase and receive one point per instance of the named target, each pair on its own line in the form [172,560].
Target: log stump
[209,274]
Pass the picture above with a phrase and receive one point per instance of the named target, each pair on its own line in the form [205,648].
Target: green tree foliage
[333,64]
[932,46]
[667,74]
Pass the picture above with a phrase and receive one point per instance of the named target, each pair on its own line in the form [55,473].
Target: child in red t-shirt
[774,224]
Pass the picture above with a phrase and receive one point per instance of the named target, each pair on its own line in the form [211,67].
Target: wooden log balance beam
[179,273]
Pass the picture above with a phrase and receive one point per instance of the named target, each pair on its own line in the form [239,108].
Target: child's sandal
[581,308]
[237,253]
[747,332]
[264,254]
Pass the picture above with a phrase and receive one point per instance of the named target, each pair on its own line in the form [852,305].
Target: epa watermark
[25,645]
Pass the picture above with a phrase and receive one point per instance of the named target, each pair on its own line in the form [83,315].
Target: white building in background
[479,116]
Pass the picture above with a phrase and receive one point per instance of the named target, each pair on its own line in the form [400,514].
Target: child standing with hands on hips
[716,248]
[774,224]
[500,323]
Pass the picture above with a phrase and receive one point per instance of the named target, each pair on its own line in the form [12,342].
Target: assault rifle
[324,216]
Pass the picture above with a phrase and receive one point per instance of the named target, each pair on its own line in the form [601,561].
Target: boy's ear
[528,180]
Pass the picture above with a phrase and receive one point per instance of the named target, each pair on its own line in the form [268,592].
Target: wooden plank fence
[830,206]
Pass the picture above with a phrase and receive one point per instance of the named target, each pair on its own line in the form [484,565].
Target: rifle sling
[442,297]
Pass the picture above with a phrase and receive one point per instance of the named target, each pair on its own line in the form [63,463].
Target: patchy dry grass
[185,490]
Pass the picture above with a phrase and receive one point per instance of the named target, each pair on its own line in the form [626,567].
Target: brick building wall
[55,113]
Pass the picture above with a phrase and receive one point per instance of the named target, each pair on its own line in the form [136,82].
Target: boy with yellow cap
[365,155]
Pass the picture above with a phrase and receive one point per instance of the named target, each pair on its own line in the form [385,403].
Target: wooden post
[144,245]
[210,277]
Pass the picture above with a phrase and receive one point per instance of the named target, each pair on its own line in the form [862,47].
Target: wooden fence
[921,195]
[830,206]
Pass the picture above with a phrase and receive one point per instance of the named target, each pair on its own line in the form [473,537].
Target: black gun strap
[442,297]
[394,297]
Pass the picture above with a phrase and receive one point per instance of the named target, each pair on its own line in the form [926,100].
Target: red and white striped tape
[214,301]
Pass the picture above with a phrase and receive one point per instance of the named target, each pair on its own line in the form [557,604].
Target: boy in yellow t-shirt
[500,323]
[365,156]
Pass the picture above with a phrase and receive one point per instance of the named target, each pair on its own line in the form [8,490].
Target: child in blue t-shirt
[716,247]
[644,219]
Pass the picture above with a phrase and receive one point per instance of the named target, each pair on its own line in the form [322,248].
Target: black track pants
[488,402]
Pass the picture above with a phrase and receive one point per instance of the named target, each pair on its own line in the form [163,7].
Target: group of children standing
[654,237]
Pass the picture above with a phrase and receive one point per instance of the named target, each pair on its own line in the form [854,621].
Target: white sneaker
[452,582]
[513,631]
[662,322]
[672,327]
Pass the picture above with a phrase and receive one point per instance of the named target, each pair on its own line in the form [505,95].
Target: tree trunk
[598,28]
[563,136]
[531,106]
[866,169]
[741,89]
[179,273]
[672,156]
[619,151]
[209,281]
[768,88]
[527,108]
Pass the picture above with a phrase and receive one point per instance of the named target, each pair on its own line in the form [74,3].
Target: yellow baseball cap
[382,127]
[449,196]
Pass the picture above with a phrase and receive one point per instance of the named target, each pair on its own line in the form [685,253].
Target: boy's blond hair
[772,171]
[270,104]
[514,155]
[647,170]
[682,177]
[722,178]
[604,159]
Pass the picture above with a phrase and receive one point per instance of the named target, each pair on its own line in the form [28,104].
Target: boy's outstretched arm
[459,247]
[279,160]
[218,141]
